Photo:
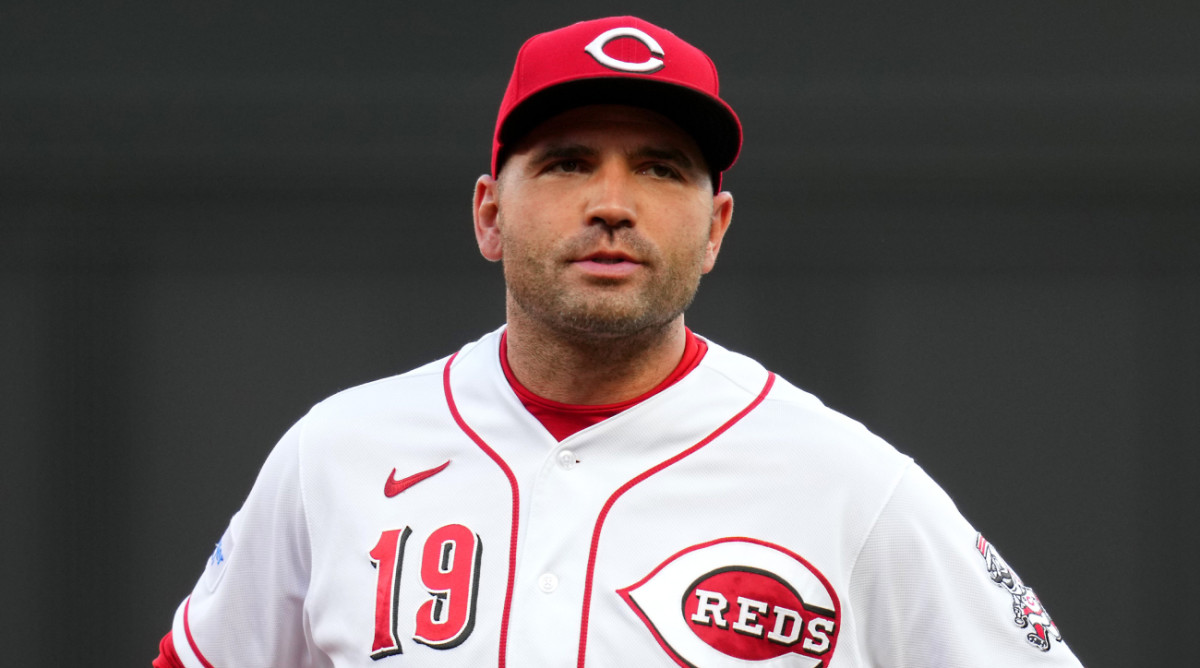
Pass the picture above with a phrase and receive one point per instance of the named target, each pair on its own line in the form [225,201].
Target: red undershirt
[562,420]
[167,658]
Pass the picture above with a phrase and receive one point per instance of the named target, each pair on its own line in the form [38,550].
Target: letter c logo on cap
[652,64]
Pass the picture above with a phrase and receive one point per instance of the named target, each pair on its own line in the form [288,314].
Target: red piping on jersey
[516,505]
[187,630]
[587,587]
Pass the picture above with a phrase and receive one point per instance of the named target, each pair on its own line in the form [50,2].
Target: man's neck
[591,371]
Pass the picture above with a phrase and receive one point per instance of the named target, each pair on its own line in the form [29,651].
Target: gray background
[972,226]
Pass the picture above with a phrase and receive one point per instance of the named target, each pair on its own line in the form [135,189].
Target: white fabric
[791,480]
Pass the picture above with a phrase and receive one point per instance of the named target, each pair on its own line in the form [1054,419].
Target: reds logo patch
[738,602]
[1027,608]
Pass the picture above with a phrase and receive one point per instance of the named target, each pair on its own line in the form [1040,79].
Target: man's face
[605,219]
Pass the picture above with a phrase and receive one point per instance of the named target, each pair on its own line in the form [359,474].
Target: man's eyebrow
[563,152]
[665,154]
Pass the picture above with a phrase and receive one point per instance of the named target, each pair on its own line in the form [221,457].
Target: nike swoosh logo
[393,487]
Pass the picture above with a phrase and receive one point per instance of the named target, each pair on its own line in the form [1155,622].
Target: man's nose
[611,197]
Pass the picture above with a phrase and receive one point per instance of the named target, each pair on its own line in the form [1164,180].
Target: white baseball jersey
[730,520]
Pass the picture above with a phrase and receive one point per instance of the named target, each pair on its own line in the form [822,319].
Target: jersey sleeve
[247,609]
[929,590]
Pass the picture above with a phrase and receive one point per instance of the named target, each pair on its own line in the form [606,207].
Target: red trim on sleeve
[187,630]
[563,420]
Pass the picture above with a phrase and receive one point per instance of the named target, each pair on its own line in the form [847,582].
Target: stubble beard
[601,312]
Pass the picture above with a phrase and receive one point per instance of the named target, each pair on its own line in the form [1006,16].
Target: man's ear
[487,213]
[722,216]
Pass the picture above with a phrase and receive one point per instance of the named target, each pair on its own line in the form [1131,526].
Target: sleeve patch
[1028,612]
[215,568]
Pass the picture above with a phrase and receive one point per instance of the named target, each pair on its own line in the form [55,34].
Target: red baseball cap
[618,60]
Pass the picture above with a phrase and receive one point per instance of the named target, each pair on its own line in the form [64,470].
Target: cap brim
[709,121]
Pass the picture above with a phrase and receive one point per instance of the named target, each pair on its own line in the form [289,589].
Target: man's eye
[569,166]
[662,171]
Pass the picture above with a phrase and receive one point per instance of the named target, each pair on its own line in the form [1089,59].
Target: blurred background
[975,227]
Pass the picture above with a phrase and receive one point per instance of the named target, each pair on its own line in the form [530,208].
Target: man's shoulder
[415,389]
[749,373]
[416,383]
[800,418]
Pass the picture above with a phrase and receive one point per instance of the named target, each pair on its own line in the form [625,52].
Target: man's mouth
[608,265]
[608,258]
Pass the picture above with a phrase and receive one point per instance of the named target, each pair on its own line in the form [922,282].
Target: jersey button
[548,582]
[566,459]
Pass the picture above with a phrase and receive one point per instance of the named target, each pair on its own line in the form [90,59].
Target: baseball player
[593,484]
